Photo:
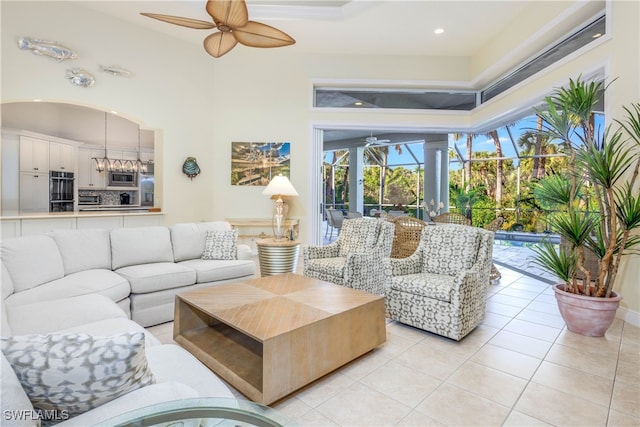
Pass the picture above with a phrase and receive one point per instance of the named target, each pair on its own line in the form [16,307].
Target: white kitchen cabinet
[142,220]
[106,222]
[10,228]
[36,226]
[62,157]
[34,192]
[88,176]
[34,155]
[146,156]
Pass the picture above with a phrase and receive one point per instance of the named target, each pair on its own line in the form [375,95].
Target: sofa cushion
[140,245]
[449,248]
[47,316]
[13,397]
[83,249]
[77,372]
[103,282]
[331,266]
[158,276]
[220,245]
[434,286]
[170,362]
[214,270]
[188,238]
[148,396]
[5,282]
[31,261]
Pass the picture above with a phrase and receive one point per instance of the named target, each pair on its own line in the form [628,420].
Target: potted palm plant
[603,169]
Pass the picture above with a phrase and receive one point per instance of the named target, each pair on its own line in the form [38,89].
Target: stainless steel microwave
[123,179]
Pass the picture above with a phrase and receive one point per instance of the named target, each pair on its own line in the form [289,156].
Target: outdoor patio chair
[442,287]
[451,218]
[334,221]
[494,226]
[406,235]
[355,259]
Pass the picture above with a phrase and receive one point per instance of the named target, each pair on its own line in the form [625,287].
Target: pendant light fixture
[103,162]
[142,167]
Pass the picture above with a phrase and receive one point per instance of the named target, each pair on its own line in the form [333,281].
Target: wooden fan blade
[178,20]
[256,34]
[230,13]
[219,43]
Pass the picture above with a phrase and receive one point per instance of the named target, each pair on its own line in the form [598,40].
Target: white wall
[200,105]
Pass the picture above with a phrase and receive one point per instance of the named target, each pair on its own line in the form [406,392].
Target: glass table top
[200,412]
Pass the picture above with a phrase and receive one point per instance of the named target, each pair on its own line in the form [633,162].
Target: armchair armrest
[470,289]
[363,270]
[314,252]
[403,266]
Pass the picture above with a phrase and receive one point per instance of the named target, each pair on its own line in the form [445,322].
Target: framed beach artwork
[254,163]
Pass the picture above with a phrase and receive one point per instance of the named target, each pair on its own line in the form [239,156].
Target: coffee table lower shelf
[268,369]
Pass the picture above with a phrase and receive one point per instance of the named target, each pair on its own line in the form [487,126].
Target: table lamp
[279,186]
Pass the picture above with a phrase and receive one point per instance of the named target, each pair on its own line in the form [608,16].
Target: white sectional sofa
[92,283]
[141,269]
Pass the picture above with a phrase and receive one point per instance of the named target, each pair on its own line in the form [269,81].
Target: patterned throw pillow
[221,244]
[77,372]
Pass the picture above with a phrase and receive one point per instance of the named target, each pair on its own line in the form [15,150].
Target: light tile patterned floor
[521,367]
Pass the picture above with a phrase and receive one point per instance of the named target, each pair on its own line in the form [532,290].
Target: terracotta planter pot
[584,315]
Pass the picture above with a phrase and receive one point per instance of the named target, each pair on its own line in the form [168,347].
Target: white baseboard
[629,316]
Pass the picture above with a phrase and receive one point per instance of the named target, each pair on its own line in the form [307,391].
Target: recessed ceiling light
[596,35]
[438,31]
[358,103]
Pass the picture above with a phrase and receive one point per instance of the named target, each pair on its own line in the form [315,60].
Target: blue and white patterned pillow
[221,244]
[77,372]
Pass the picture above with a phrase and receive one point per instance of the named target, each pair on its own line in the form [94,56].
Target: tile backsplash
[111,197]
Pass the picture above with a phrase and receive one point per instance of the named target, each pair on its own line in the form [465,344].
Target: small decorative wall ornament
[47,48]
[190,167]
[115,70]
[80,77]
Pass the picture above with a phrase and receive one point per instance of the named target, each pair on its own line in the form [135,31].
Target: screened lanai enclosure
[481,176]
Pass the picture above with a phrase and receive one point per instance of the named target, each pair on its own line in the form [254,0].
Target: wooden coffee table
[271,336]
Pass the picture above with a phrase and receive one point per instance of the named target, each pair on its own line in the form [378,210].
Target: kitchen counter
[83,213]
[112,208]
[43,222]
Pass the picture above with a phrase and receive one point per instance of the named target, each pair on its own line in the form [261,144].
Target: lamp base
[277,222]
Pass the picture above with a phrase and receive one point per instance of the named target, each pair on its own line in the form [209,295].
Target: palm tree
[499,172]
[379,154]
[466,178]
[539,145]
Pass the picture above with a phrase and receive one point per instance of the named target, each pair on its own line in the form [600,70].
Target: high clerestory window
[456,100]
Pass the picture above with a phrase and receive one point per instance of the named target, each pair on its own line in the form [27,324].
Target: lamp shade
[280,186]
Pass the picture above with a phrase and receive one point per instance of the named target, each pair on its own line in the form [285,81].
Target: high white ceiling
[376,27]
[398,27]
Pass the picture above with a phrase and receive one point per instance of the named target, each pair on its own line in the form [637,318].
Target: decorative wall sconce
[190,167]
[47,48]
[80,77]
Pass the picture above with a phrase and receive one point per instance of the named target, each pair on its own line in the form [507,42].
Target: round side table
[277,256]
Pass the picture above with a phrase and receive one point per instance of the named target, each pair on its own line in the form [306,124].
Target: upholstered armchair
[355,259]
[442,287]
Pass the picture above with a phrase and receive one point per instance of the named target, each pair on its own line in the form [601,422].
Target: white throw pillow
[221,245]
[73,373]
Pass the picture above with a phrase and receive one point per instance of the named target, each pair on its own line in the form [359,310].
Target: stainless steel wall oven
[61,191]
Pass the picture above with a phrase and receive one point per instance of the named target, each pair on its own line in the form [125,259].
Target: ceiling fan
[231,19]
[373,140]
